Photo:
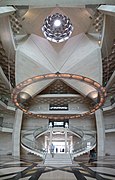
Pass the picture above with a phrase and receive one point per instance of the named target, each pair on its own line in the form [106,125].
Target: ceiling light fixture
[57,23]
[57,28]
[20,87]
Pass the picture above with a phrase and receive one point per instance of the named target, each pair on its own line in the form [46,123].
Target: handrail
[77,131]
[39,130]
[84,145]
[28,143]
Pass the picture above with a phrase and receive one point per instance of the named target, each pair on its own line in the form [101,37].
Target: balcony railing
[109,126]
[6,125]
[39,130]
[77,131]
[86,143]
[84,146]
[32,146]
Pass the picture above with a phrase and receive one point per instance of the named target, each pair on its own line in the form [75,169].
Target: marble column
[100,133]
[17,133]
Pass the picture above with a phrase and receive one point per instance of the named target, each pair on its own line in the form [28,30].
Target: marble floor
[12,168]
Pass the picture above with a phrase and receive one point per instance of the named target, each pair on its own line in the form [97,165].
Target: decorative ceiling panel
[45,56]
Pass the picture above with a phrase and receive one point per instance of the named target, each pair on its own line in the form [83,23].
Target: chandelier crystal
[57,28]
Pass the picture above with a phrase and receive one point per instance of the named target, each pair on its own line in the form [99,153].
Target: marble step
[58,159]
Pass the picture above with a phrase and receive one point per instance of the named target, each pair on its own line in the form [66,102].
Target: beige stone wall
[5,143]
[86,123]
[110,143]
[33,123]
[109,119]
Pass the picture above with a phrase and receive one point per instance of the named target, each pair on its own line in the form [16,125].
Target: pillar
[100,133]
[50,126]
[16,133]
[66,127]
[65,140]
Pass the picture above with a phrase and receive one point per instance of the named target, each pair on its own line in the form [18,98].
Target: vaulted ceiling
[24,51]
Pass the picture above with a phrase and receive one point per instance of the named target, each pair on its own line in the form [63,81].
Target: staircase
[87,142]
[58,159]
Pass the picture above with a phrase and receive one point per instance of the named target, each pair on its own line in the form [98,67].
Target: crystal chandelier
[57,28]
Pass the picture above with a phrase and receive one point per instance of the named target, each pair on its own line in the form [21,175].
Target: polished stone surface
[12,168]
